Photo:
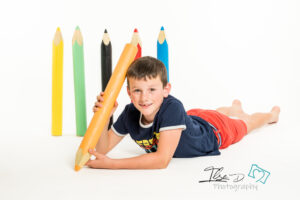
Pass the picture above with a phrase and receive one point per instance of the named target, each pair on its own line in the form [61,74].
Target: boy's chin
[146,112]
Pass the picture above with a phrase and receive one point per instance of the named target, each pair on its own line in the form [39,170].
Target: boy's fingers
[99,98]
[90,163]
[97,104]
[93,152]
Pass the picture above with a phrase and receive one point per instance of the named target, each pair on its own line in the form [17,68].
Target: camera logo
[258,173]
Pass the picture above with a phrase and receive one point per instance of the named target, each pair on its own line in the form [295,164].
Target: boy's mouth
[145,105]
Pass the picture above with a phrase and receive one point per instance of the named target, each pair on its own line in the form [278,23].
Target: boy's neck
[146,121]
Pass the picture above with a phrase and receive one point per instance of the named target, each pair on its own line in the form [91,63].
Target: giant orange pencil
[136,38]
[101,117]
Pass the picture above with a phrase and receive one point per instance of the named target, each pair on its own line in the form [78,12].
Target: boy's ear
[167,90]
[128,91]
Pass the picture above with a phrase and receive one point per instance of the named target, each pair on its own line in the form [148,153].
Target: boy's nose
[144,96]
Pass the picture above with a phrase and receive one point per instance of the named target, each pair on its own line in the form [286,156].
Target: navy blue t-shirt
[197,138]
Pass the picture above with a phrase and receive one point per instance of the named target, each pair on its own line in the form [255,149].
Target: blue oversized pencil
[163,49]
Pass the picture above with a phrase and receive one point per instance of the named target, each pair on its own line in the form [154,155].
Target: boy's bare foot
[236,109]
[275,114]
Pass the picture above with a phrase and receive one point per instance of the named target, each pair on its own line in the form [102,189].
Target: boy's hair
[147,67]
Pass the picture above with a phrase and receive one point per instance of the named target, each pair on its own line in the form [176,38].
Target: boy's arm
[168,142]
[107,141]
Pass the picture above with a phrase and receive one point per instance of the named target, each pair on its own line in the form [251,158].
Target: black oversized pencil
[106,63]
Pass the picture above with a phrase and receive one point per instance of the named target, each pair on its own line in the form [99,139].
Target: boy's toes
[236,102]
[275,112]
[276,109]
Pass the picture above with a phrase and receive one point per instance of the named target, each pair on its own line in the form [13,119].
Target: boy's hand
[98,104]
[101,161]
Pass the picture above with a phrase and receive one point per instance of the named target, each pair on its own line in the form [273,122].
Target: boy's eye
[152,89]
[136,90]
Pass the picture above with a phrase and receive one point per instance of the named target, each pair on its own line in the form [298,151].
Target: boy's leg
[253,121]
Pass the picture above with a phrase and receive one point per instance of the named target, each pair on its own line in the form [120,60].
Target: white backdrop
[218,50]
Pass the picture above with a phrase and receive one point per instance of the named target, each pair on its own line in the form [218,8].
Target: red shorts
[230,130]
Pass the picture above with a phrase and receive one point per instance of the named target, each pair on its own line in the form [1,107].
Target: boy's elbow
[163,164]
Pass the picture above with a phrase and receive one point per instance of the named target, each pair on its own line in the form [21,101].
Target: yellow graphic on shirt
[149,145]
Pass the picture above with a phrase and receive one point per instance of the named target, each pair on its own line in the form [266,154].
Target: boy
[158,123]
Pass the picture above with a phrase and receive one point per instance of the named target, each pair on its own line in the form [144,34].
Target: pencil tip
[58,29]
[162,28]
[135,30]
[77,28]
[105,31]
[77,168]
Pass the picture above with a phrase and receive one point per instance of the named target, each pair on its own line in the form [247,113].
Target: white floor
[41,167]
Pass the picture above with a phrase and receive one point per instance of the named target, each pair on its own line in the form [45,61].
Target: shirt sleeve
[173,117]
[119,127]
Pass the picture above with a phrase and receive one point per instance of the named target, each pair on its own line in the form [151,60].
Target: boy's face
[147,95]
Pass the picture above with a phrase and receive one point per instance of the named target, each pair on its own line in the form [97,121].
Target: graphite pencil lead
[106,38]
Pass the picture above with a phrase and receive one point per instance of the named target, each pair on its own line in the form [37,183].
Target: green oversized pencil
[79,83]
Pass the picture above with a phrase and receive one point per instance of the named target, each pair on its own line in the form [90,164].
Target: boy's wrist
[112,164]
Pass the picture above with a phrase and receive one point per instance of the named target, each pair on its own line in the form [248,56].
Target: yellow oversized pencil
[57,83]
[101,117]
